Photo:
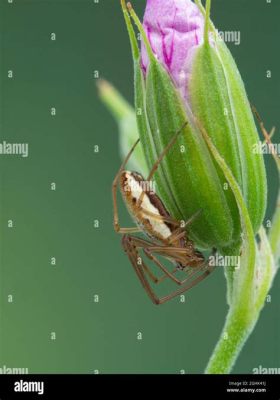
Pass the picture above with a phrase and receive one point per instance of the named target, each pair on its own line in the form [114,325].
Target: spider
[167,237]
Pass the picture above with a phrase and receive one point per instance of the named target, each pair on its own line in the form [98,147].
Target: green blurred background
[92,335]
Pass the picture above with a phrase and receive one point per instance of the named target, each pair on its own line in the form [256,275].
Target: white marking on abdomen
[158,227]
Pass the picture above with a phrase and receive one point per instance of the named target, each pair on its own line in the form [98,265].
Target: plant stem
[249,290]
[235,333]
[274,234]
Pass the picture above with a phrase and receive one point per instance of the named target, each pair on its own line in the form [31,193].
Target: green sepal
[191,176]
[252,177]
[145,134]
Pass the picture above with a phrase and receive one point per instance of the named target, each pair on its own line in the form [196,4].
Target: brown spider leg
[192,218]
[174,254]
[177,235]
[147,249]
[154,278]
[186,287]
[191,272]
[162,267]
[160,217]
[133,256]
[168,250]
[114,193]
[161,156]
[194,271]
[178,253]
[142,243]
[181,231]
[272,132]
[261,123]
[265,133]
[170,219]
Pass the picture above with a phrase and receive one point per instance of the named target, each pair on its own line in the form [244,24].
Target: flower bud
[185,73]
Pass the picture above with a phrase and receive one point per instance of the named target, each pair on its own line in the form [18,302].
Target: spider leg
[171,220]
[143,243]
[196,271]
[186,287]
[175,254]
[152,276]
[265,133]
[157,217]
[114,194]
[131,247]
[267,136]
[191,272]
[168,251]
[162,267]
[132,253]
[180,233]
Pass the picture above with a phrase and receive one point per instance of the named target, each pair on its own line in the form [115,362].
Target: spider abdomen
[148,211]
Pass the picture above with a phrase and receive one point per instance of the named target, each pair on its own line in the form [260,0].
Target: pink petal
[175,29]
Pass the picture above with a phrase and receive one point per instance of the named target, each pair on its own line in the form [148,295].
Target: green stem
[229,275]
[249,288]
[245,301]
[266,270]
[274,234]
[233,338]
[244,314]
